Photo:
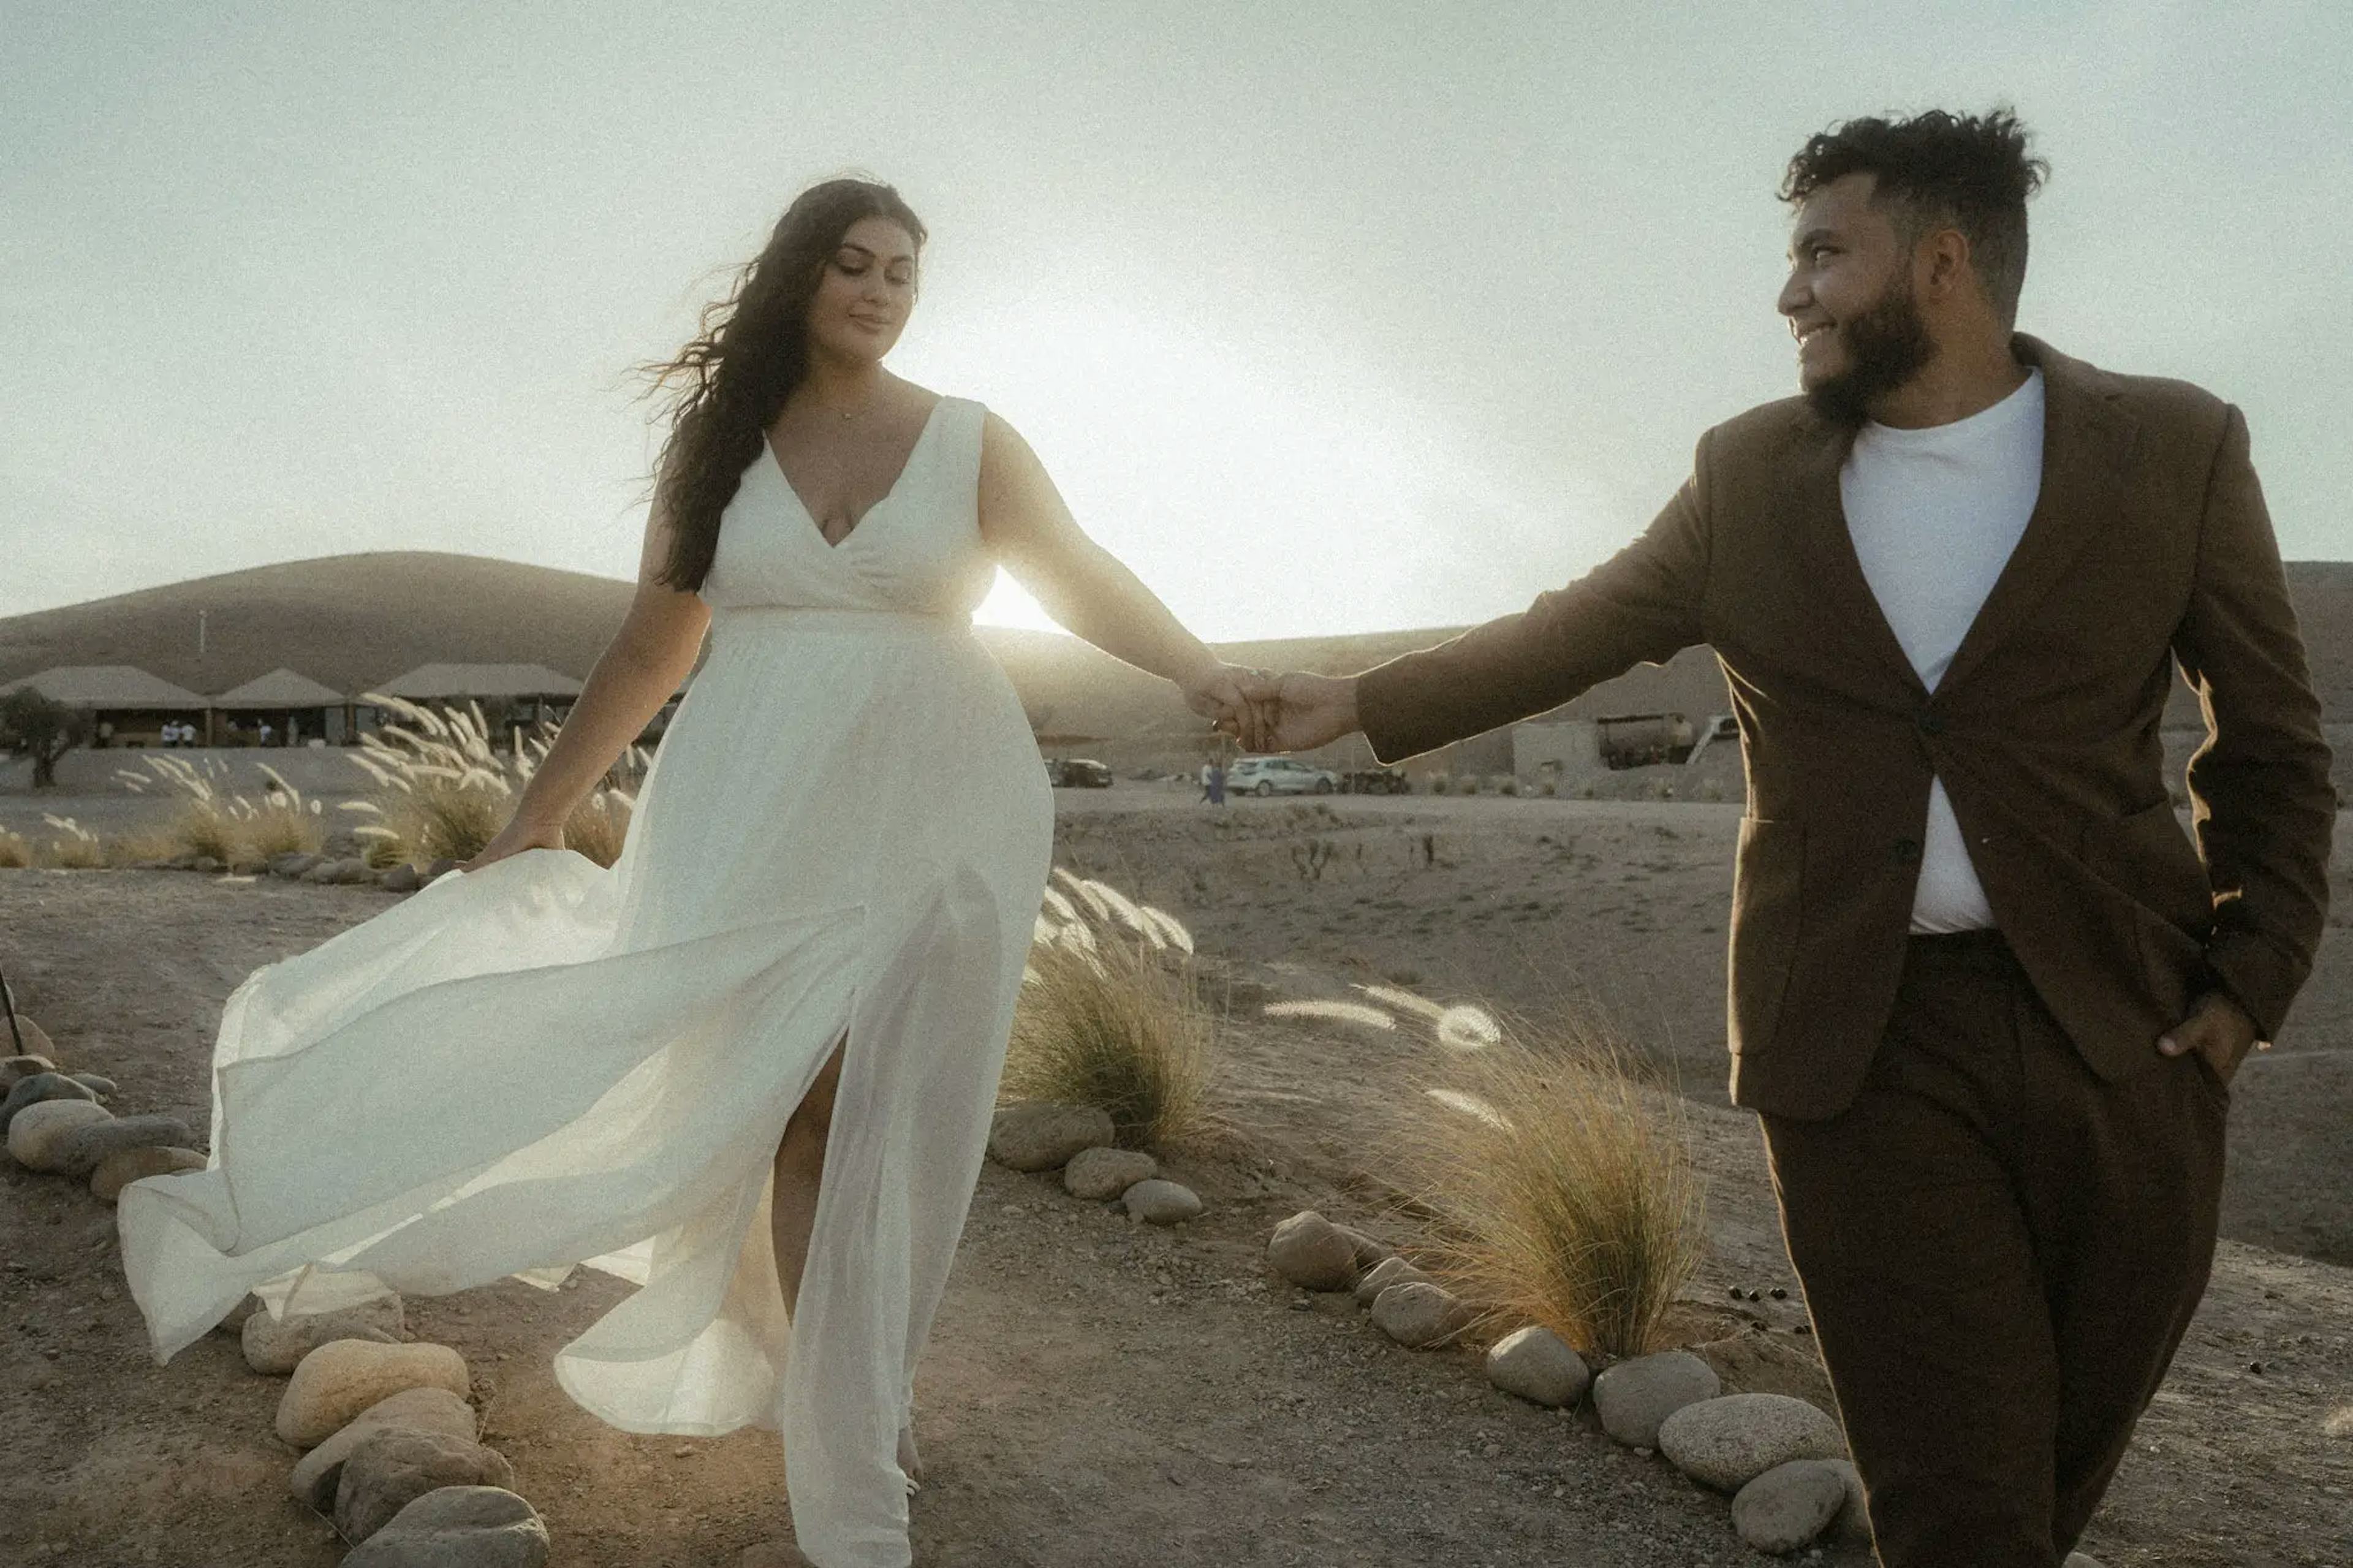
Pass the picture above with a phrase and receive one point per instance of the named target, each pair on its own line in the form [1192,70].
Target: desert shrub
[1507,785]
[1112,1013]
[1556,1169]
[1439,783]
[141,845]
[444,791]
[15,853]
[1548,788]
[75,848]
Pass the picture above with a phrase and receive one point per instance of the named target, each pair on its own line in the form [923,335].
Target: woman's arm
[635,675]
[1085,588]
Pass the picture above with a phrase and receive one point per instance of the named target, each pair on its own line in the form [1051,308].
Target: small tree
[34,726]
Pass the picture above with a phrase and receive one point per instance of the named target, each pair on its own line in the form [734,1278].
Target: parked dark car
[1375,781]
[1078,772]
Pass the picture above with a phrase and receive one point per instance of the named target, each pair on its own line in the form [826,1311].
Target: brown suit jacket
[2149,544]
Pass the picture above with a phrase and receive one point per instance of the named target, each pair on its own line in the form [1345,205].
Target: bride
[751,1067]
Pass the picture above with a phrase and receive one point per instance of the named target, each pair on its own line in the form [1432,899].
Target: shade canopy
[282,687]
[428,682]
[110,686]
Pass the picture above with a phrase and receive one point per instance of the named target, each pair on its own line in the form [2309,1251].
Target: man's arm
[2262,801]
[1641,604]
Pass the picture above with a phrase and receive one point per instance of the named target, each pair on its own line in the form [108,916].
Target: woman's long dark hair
[730,384]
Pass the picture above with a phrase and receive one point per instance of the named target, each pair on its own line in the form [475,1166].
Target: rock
[321,870]
[1045,1137]
[1537,1365]
[80,1152]
[277,1345]
[1420,1315]
[435,1410]
[233,1320]
[1729,1441]
[124,1166]
[392,1467]
[36,1131]
[1789,1506]
[401,879]
[248,866]
[1388,1271]
[1634,1397]
[339,1379]
[40,1056]
[1162,1203]
[457,1527]
[1852,1526]
[1107,1172]
[1369,1252]
[204,863]
[1309,1250]
[34,1088]
[293,863]
[100,1086]
[440,868]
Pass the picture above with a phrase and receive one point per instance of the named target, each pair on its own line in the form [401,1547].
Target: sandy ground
[1101,1395]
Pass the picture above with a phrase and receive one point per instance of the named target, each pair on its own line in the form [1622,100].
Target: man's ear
[1942,264]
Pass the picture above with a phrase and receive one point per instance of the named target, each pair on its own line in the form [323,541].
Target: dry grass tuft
[76,848]
[212,821]
[442,789]
[1111,1014]
[15,853]
[1560,1173]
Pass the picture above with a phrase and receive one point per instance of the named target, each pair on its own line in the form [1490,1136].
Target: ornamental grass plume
[211,820]
[443,791]
[15,853]
[1554,1166]
[1111,1014]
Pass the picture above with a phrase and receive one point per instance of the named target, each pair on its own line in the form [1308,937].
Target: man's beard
[1886,346]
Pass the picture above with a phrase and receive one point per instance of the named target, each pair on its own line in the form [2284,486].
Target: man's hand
[1222,694]
[1310,710]
[2218,1029]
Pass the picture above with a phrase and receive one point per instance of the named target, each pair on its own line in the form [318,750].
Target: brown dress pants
[2001,1252]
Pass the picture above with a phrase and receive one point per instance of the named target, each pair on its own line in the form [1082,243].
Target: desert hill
[352,621]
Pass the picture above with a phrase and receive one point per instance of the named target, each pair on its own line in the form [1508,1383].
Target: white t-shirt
[1934,514]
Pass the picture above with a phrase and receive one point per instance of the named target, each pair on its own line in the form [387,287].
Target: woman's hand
[1233,697]
[519,835]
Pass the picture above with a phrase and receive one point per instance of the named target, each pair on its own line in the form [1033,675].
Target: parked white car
[1279,775]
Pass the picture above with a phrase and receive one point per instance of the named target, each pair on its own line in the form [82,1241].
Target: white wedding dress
[844,837]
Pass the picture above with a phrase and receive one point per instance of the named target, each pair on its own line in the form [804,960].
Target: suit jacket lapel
[1849,610]
[2085,438]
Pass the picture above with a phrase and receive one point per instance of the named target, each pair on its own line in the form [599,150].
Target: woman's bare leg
[792,1208]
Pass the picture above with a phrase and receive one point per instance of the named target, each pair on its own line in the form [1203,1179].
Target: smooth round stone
[40,1056]
[36,1088]
[1852,1526]
[276,1346]
[1729,1441]
[1538,1365]
[1388,1271]
[1107,1172]
[457,1527]
[98,1085]
[1420,1315]
[80,1152]
[401,879]
[1370,1251]
[1044,1137]
[293,863]
[412,1409]
[1309,1250]
[334,1382]
[37,1130]
[1789,1506]
[124,1166]
[1162,1203]
[1634,1397]
[392,1467]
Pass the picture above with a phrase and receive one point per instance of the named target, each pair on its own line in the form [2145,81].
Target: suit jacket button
[1908,851]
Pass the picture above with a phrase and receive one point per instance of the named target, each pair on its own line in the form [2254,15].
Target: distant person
[832,874]
[262,728]
[1217,784]
[1205,781]
[1985,993]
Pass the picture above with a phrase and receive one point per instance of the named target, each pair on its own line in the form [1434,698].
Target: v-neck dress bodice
[842,841]
[917,551]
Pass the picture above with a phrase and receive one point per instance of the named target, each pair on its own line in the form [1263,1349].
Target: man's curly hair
[1938,170]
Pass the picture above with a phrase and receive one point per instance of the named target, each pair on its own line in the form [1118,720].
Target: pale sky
[1326,317]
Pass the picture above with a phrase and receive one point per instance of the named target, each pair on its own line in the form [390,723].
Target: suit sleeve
[1641,604]
[2261,798]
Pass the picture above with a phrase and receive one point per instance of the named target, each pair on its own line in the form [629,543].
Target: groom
[1985,993]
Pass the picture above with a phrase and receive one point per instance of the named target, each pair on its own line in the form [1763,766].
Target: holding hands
[1270,712]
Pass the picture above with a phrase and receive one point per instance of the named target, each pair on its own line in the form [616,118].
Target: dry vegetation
[444,792]
[1112,1013]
